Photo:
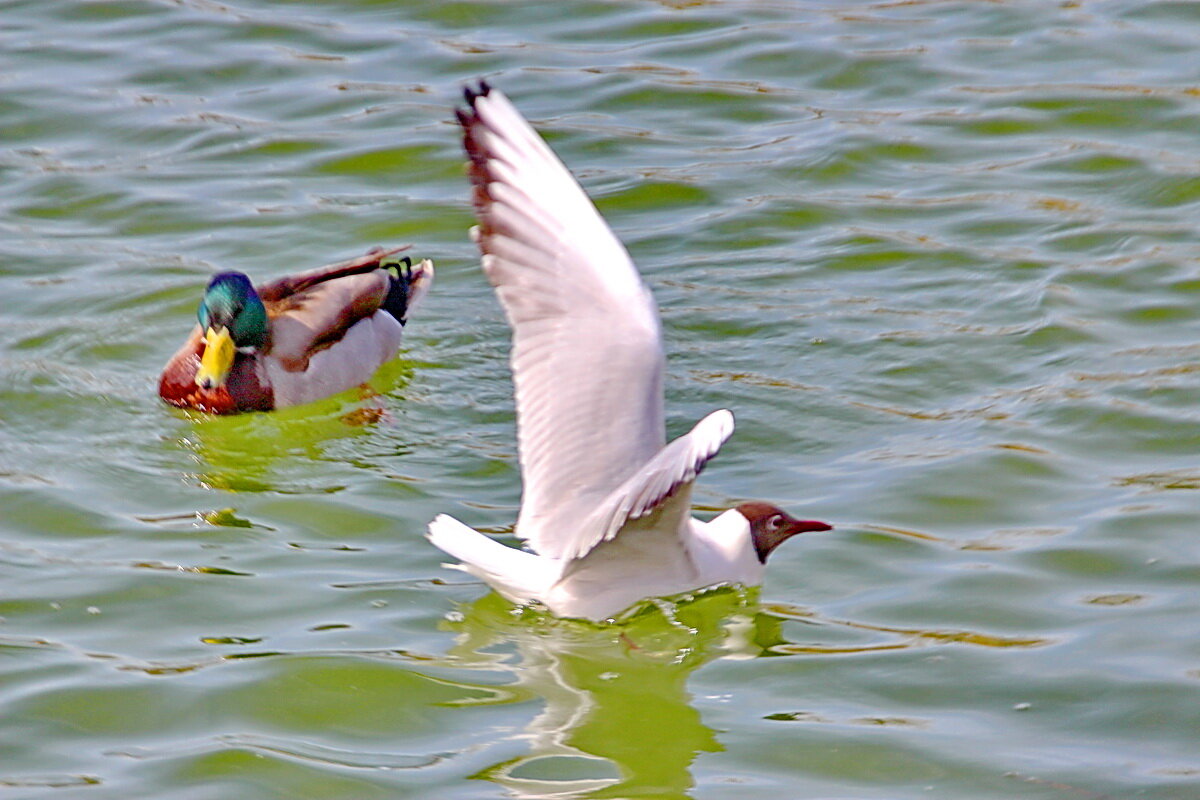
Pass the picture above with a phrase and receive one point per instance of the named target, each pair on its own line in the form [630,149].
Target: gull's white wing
[587,356]
[663,485]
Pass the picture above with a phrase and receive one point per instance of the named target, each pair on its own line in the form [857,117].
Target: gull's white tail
[518,575]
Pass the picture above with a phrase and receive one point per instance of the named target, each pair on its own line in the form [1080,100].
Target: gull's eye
[774,522]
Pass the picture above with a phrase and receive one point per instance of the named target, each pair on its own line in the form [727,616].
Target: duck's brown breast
[244,389]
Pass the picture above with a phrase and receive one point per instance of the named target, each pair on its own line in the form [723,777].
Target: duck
[605,515]
[296,339]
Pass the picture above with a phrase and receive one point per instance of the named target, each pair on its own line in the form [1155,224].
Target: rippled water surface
[940,258]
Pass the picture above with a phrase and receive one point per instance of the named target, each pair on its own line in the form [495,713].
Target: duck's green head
[233,318]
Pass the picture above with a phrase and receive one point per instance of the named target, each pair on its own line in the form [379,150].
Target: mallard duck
[296,339]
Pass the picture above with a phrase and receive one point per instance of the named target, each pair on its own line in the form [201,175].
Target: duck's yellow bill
[219,352]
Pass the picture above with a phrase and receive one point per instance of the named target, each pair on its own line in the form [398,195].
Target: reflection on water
[239,453]
[617,719]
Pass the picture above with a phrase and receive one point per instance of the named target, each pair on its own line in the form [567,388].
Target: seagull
[606,504]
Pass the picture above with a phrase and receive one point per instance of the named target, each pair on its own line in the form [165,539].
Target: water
[939,258]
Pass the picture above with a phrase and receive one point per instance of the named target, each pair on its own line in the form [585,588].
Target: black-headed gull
[606,503]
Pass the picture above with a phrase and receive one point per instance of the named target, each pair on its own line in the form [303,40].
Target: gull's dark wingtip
[471,94]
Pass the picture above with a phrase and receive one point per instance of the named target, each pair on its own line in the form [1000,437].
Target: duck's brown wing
[282,288]
[313,310]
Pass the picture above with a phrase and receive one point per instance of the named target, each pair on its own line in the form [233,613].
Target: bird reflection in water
[617,718]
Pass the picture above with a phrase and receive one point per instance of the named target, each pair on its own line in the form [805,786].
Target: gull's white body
[606,502]
[643,561]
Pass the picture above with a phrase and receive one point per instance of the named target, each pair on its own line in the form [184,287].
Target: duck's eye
[774,522]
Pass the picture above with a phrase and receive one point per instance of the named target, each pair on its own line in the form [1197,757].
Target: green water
[940,258]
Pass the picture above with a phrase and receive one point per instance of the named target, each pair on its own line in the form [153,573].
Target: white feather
[587,351]
[606,503]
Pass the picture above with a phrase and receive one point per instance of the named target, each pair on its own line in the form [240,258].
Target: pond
[939,258]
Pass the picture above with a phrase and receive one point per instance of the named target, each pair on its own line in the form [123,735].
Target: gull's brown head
[771,526]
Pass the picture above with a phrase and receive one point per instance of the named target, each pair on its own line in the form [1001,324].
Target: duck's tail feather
[407,285]
[516,574]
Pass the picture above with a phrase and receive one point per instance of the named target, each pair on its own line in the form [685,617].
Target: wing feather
[587,352]
[281,288]
[673,469]
[314,309]
[310,320]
